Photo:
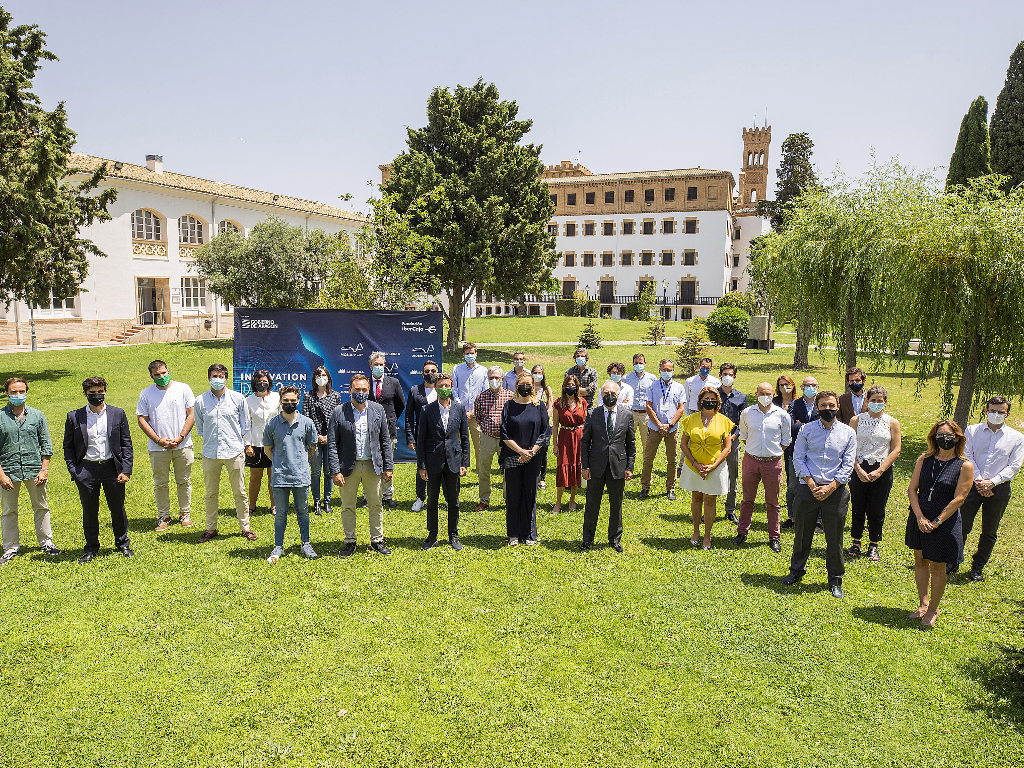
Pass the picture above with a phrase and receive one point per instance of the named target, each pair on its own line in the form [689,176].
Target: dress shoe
[362,502]
[788,524]
[644,493]
[125,550]
[731,517]
[481,506]
[380,547]
[740,538]
[671,495]
[616,546]
[430,543]
[348,549]
[454,541]
[775,546]
[976,575]
[207,535]
[50,550]
[250,534]
[835,586]
[584,546]
[792,578]
[87,556]
[390,503]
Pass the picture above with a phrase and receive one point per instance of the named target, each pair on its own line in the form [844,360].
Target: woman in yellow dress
[705,442]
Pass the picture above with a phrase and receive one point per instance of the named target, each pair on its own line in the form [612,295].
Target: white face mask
[518,364]
[996,418]
[321,380]
[764,400]
[494,383]
[728,380]
[538,377]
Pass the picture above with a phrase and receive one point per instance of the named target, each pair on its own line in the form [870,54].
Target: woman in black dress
[942,479]
[524,434]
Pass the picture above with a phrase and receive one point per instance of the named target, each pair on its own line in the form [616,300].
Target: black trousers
[833,520]
[869,500]
[521,500]
[595,493]
[96,476]
[992,509]
[449,482]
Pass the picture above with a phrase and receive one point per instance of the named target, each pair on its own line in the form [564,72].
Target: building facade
[143,290]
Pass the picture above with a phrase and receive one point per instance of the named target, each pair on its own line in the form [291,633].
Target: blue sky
[308,98]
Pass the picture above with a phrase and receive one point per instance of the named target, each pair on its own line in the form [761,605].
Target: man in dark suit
[387,390]
[419,397]
[359,451]
[98,452]
[851,402]
[442,457]
[607,453]
[801,411]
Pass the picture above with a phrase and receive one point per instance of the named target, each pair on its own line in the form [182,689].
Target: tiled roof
[690,173]
[220,189]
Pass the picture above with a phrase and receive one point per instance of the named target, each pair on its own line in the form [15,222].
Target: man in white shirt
[616,373]
[639,379]
[997,452]
[518,366]
[166,415]
[469,379]
[665,404]
[696,383]
[766,431]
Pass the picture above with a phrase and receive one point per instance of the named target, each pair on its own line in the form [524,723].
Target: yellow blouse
[706,442]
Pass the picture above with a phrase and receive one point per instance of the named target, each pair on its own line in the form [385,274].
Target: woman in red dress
[571,415]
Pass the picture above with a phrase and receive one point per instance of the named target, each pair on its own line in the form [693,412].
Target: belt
[95,461]
[765,458]
[639,411]
[574,429]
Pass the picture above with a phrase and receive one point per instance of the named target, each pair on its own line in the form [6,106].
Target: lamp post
[32,324]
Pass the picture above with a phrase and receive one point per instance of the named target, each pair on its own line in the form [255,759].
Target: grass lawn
[497,330]
[666,655]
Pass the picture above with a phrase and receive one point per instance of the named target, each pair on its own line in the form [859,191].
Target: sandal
[695,542]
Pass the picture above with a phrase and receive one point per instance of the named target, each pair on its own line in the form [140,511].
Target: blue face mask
[360,397]
[638,368]
[470,359]
[810,392]
[581,361]
[616,377]
[666,375]
[704,372]
[217,384]
[378,371]
[17,399]
[876,407]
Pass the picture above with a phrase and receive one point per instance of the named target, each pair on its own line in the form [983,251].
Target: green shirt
[23,443]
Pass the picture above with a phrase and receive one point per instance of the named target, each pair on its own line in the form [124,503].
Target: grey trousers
[833,512]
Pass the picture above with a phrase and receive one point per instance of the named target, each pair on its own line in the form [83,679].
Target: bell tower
[754,176]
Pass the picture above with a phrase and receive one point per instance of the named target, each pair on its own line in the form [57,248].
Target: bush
[634,311]
[741,299]
[728,326]
[590,337]
[565,307]
[694,346]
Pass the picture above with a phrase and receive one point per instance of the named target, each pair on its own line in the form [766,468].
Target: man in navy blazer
[98,452]
[442,457]
[387,390]
[801,411]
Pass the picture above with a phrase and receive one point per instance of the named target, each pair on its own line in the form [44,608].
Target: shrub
[694,346]
[656,331]
[741,299]
[590,337]
[565,307]
[728,326]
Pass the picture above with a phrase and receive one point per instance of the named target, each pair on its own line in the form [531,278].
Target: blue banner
[292,343]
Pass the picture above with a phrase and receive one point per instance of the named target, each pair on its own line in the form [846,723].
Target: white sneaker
[417,505]
[275,555]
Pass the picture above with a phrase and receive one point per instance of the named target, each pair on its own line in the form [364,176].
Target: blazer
[437,448]
[413,408]
[846,411]
[76,440]
[798,412]
[601,456]
[341,439]
[392,398]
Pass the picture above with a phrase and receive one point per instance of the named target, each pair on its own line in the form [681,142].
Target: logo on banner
[264,324]
[421,352]
[351,351]
[418,327]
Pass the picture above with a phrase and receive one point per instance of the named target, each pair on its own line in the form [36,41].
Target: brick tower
[754,176]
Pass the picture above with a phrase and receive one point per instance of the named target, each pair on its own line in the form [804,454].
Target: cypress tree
[971,157]
[1008,122]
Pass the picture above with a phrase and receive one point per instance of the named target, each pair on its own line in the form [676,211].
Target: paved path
[4,350]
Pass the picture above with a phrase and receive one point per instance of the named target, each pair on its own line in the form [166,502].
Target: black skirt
[259,461]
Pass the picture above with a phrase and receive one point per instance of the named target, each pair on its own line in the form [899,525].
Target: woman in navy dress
[942,479]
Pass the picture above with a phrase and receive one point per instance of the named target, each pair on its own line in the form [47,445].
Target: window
[553,229]
[646,259]
[588,259]
[670,194]
[190,230]
[627,227]
[550,310]
[691,226]
[685,313]
[648,195]
[608,228]
[689,258]
[627,259]
[609,197]
[588,228]
[568,288]
[753,195]
[691,193]
[648,227]
[145,225]
[534,310]
[667,259]
[735,261]
[736,234]
[627,196]
[56,306]
[193,293]
[554,199]
[608,259]
[490,310]
[570,259]
[570,229]
[687,291]
[642,285]
[668,226]
[590,198]
[570,199]
[228,226]
[735,285]
[606,290]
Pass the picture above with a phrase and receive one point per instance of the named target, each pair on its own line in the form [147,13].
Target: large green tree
[40,213]
[972,155]
[472,190]
[1007,130]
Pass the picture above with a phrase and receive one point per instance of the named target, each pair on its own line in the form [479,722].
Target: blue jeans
[281,497]
[319,465]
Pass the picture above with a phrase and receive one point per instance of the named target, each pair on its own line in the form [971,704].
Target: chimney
[155,163]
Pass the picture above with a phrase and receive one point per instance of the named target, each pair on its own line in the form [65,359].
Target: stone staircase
[126,334]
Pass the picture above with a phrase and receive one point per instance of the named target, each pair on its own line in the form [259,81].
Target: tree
[40,213]
[656,331]
[1007,130]
[474,190]
[590,337]
[971,157]
[692,348]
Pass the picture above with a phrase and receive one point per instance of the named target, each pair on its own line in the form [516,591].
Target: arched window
[228,226]
[145,225]
[760,159]
[190,230]
[753,195]
[750,158]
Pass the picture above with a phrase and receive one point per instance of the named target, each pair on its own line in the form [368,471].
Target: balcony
[673,300]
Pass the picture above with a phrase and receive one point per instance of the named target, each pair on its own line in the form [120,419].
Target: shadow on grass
[491,542]
[204,345]
[1002,676]
[773,582]
[887,616]
[682,543]
[36,376]
[562,545]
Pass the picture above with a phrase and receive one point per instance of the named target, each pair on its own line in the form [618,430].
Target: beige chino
[9,514]
[236,479]
[363,473]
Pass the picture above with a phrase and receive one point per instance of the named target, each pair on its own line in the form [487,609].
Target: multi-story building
[143,289]
[685,231]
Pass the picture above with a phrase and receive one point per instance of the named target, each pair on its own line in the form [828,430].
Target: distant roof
[676,173]
[205,186]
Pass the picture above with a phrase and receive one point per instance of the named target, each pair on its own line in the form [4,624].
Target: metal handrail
[140,319]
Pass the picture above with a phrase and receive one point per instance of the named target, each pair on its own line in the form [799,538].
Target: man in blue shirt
[824,457]
[290,440]
[665,407]
[640,380]
[734,403]
[469,379]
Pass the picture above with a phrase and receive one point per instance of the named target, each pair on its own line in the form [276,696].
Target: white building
[143,290]
[686,231]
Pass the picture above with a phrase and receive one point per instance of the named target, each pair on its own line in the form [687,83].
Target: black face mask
[570,390]
[857,386]
[430,378]
[946,440]
[96,399]
[828,415]
[708,405]
[289,407]
[260,386]
[609,399]
[525,390]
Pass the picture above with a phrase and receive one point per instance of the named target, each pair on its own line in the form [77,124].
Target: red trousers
[752,473]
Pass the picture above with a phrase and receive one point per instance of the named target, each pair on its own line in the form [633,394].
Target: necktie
[609,426]
[378,389]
